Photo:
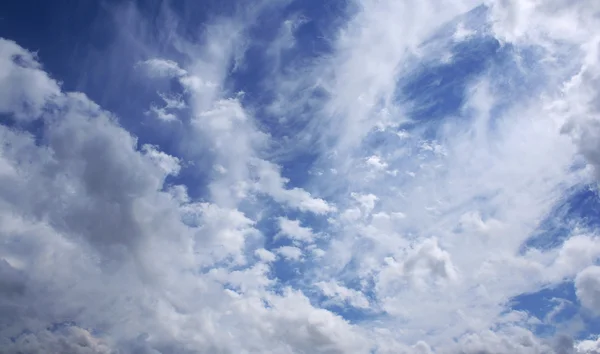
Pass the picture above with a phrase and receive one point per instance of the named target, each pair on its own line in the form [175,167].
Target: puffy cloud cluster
[93,235]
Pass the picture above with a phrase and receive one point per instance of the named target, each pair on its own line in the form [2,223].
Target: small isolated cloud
[289,253]
[162,114]
[162,68]
[293,230]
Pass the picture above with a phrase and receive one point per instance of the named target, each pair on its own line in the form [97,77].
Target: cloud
[376,162]
[590,346]
[93,237]
[294,231]
[68,340]
[425,265]
[111,246]
[273,184]
[508,340]
[264,255]
[343,294]
[235,140]
[290,253]
[587,285]
[472,180]
[162,114]
[162,68]
[27,88]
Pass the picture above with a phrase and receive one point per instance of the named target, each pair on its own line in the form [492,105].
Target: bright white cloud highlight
[293,230]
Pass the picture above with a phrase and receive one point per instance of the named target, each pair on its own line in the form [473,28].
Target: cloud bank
[379,194]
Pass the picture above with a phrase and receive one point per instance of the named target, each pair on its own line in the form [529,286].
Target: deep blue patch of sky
[547,302]
[438,91]
[581,208]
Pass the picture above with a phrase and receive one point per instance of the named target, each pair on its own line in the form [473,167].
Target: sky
[300,176]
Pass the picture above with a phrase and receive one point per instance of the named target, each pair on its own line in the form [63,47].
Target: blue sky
[286,176]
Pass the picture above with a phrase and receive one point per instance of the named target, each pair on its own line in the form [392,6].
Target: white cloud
[480,188]
[526,21]
[27,88]
[589,143]
[235,140]
[461,33]
[285,40]
[222,232]
[264,255]
[290,253]
[162,114]
[376,162]
[169,164]
[367,201]
[512,339]
[576,253]
[317,252]
[343,294]
[173,102]
[273,184]
[587,285]
[91,238]
[590,346]
[427,265]
[437,242]
[293,230]
[162,68]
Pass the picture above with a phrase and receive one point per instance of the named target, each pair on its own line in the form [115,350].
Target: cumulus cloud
[93,238]
[590,346]
[293,230]
[27,86]
[264,255]
[510,340]
[587,285]
[290,253]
